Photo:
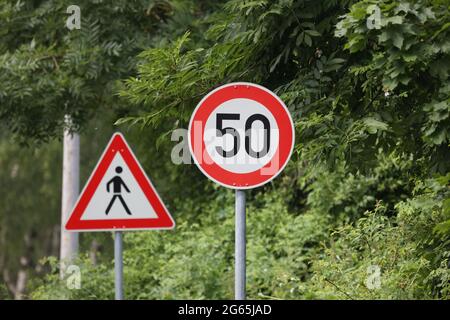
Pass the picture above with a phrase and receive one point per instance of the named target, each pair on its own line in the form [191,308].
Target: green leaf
[375,125]
[336,61]
[299,39]
[308,40]
[397,39]
[313,33]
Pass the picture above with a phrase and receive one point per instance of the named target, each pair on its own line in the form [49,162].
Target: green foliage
[30,193]
[341,113]
[409,57]
[4,294]
[412,256]
[286,253]
[371,112]
[345,196]
[29,179]
[47,70]
[100,284]
[158,267]
[368,184]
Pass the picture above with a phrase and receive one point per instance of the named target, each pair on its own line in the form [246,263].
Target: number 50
[221,131]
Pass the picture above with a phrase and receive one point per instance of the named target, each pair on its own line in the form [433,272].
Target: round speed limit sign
[241,135]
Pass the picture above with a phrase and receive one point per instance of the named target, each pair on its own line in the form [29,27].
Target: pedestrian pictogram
[119,195]
[117,183]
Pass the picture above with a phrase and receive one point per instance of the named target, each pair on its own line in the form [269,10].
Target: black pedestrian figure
[117,187]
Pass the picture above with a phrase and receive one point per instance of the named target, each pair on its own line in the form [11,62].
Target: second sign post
[241,136]
[119,197]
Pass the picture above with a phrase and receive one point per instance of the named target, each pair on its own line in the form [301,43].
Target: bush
[413,259]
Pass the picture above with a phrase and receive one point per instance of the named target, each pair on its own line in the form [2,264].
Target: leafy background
[368,183]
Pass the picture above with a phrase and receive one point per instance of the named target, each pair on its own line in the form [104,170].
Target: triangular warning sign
[119,195]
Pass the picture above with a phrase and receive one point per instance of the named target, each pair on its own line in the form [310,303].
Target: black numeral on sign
[232,131]
[248,134]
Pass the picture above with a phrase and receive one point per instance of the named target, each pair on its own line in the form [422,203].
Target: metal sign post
[244,112]
[240,243]
[118,265]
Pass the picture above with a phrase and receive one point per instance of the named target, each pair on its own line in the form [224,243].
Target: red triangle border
[118,144]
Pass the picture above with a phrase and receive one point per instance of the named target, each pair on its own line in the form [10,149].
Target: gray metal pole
[70,190]
[118,265]
[239,270]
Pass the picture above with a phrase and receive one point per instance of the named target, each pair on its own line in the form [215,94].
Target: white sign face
[241,135]
[134,200]
[262,135]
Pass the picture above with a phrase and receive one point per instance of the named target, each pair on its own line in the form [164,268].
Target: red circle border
[247,91]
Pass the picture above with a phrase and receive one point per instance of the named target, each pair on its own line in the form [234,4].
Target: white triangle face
[136,201]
